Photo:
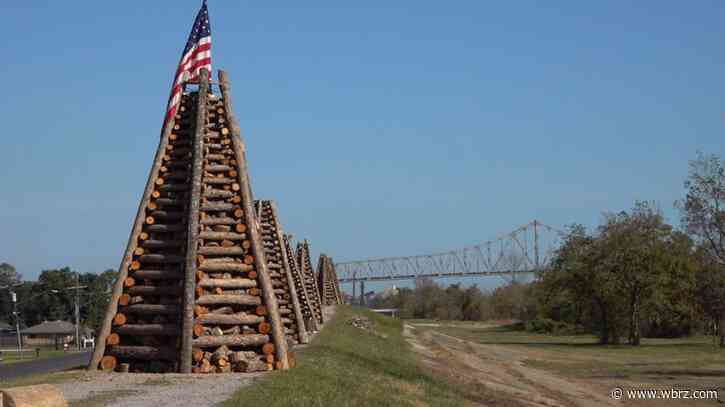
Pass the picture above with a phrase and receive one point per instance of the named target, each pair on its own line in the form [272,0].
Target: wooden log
[220,251]
[231,283]
[228,299]
[215,207]
[218,181]
[264,327]
[233,319]
[250,366]
[154,290]
[165,228]
[223,310]
[39,395]
[113,339]
[173,188]
[169,202]
[148,330]
[187,319]
[231,340]
[197,354]
[218,221]
[167,215]
[153,309]
[212,266]
[150,353]
[217,193]
[222,236]
[161,244]
[157,275]
[160,258]
[216,168]
[119,319]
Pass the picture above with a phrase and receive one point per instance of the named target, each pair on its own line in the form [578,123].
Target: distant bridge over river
[524,250]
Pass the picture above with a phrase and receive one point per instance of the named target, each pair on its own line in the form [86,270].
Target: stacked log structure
[336,282]
[194,292]
[142,329]
[309,280]
[280,272]
[305,298]
[327,282]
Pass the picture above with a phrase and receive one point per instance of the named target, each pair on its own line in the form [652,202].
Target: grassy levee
[348,366]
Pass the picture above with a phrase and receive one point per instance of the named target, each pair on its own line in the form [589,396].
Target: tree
[8,278]
[703,216]
[99,294]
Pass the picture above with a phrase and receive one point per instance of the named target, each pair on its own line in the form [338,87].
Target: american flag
[196,55]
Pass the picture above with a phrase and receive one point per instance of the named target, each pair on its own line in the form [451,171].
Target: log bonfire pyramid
[308,279]
[281,273]
[306,298]
[199,288]
[327,281]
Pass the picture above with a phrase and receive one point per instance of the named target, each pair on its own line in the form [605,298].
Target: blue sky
[389,128]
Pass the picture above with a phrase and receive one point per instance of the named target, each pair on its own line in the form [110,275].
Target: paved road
[17,370]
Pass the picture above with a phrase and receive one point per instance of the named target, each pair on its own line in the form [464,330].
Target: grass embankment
[682,361]
[348,366]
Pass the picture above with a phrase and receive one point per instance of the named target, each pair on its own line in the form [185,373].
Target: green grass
[102,398]
[44,378]
[691,360]
[12,358]
[346,366]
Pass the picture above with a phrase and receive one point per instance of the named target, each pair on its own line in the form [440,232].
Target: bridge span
[524,250]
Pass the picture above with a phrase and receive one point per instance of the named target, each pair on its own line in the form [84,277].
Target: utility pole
[536,245]
[77,312]
[17,323]
[354,285]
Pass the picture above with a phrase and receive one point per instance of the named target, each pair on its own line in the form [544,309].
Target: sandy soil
[502,370]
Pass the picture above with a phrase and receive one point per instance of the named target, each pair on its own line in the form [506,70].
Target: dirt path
[502,369]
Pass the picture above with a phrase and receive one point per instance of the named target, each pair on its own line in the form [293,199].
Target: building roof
[51,328]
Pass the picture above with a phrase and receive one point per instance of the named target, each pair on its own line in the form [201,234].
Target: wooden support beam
[187,320]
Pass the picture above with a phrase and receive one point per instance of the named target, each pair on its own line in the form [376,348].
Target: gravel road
[155,390]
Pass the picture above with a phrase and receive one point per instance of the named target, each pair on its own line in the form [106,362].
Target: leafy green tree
[703,216]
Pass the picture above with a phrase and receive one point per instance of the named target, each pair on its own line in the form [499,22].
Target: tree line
[49,298]
[634,275]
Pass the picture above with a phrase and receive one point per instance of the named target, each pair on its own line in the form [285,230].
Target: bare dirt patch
[503,372]
[153,390]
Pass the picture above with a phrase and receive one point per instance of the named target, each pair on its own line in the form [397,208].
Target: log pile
[309,280]
[195,292]
[232,321]
[305,298]
[280,272]
[327,282]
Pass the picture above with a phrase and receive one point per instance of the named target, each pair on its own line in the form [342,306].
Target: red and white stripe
[198,58]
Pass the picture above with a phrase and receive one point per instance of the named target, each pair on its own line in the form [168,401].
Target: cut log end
[108,363]
[119,319]
[113,339]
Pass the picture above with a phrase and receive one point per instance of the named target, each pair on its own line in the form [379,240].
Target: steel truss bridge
[524,250]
